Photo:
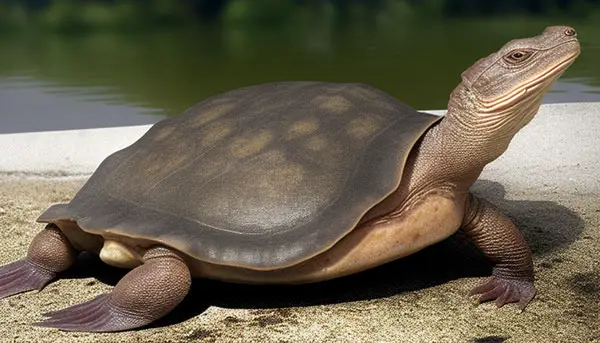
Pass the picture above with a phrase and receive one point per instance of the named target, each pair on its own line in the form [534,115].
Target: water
[57,82]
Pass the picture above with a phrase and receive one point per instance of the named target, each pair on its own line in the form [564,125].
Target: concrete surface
[62,153]
[548,182]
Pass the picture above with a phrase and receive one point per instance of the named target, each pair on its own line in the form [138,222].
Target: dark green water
[52,81]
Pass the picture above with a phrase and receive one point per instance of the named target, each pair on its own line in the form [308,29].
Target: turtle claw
[22,276]
[96,315]
[505,291]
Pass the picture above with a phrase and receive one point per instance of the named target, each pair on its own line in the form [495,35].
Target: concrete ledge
[56,153]
[559,148]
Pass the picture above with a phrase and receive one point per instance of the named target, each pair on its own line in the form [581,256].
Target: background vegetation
[83,15]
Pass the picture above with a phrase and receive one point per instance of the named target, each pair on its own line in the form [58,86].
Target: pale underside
[433,219]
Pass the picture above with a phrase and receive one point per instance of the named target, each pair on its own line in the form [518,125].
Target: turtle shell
[261,177]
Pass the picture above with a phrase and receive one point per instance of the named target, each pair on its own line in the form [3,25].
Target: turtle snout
[560,32]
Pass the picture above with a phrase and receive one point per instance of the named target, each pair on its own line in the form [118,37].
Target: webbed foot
[96,315]
[145,294]
[505,291]
[22,276]
[49,253]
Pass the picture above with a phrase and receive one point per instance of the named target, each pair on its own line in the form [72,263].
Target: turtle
[297,182]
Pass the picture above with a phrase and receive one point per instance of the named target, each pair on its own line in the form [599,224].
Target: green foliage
[167,12]
[13,17]
[119,15]
[62,15]
[258,12]
[78,16]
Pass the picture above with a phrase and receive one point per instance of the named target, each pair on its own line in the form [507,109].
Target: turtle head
[502,92]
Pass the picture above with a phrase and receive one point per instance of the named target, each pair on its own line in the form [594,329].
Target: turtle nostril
[570,32]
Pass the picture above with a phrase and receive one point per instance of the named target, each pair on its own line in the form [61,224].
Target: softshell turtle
[297,182]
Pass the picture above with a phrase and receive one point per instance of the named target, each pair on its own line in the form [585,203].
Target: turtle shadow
[546,225]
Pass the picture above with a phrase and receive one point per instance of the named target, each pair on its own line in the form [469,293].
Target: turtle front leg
[498,238]
[49,253]
[143,295]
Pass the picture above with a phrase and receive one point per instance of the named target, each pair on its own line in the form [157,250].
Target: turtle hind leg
[143,295]
[49,253]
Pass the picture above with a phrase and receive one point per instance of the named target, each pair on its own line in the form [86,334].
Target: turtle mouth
[536,86]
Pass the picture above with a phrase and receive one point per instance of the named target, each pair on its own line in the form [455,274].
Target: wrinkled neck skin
[452,154]
[473,134]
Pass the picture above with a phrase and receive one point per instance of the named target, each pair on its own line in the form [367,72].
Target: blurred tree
[62,15]
[258,12]
[208,10]
[81,15]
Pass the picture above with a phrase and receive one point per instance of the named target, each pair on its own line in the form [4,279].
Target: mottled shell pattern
[260,177]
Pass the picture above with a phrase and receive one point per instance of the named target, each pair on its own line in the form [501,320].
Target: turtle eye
[518,56]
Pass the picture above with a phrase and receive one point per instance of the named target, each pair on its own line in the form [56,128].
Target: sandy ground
[547,182]
[418,299]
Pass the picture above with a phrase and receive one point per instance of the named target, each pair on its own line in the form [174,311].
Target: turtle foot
[505,291]
[97,315]
[146,293]
[22,276]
